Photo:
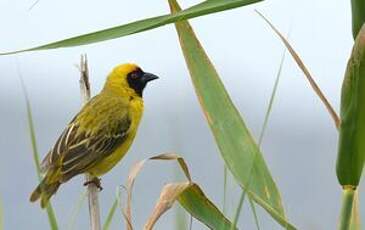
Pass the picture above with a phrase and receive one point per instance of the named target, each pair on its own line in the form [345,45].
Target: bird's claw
[96,182]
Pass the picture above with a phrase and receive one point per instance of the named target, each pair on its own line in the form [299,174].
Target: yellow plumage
[99,135]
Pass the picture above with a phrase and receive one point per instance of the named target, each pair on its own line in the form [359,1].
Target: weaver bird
[99,135]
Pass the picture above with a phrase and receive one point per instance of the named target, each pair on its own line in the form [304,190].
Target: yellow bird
[99,135]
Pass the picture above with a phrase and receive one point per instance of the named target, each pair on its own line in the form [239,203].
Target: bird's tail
[44,191]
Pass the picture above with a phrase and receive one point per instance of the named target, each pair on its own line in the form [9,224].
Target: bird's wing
[91,136]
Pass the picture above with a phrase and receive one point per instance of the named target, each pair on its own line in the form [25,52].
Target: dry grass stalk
[94,208]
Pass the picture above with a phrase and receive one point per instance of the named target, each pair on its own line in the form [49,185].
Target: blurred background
[300,145]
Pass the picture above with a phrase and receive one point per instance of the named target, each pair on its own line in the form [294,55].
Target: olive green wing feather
[91,136]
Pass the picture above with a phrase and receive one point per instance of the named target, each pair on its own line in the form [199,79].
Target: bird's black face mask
[138,79]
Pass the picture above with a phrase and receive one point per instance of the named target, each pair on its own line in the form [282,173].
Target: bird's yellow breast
[135,113]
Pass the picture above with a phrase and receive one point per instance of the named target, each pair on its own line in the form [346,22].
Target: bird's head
[128,78]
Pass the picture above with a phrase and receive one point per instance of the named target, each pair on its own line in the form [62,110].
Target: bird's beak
[148,77]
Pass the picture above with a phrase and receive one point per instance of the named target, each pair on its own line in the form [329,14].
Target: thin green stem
[253,208]
[238,210]
[112,210]
[263,129]
[271,102]
[346,210]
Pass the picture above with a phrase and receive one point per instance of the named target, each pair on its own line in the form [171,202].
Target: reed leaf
[200,9]
[238,149]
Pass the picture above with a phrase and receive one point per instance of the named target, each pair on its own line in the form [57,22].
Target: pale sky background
[300,145]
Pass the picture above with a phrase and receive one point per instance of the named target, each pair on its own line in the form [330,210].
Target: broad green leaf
[358,16]
[351,150]
[194,201]
[51,215]
[238,149]
[203,8]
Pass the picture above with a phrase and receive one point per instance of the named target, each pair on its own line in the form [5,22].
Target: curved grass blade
[306,72]
[203,8]
[189,195]
[192,198]
[135,171]
[238,149]
[358,16]
[51,215]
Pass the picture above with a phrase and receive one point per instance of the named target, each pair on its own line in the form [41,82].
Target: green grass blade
[358,16]
[253,208]
[111,213]
[203,8]
[238,149]
[239,208]
[76,210]
[306,72]
[272,98]
[50,212]
[263,129]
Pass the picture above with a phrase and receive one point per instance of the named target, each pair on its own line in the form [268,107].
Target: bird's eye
[134,75]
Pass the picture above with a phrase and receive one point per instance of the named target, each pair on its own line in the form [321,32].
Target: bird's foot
[95,181]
